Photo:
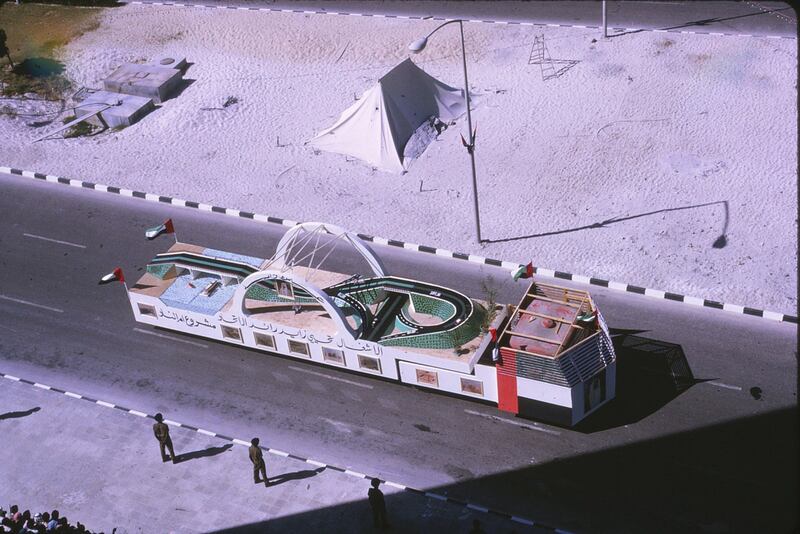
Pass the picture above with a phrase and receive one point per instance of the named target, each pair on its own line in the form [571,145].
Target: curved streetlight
[417,47]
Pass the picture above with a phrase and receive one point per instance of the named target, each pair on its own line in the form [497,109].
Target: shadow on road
[211,451]
[650,374]
[297,475]
[14,415]
[736,476]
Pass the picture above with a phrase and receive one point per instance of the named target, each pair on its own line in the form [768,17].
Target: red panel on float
[507,399]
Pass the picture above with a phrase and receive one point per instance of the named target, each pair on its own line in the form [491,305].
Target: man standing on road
[476,527]
[378,505]
[257,457]
[161,431]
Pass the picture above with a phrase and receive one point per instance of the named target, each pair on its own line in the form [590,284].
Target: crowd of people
[16,522]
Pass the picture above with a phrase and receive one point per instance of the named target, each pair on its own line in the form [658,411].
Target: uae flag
[156,231]
[114,276]
[524,272]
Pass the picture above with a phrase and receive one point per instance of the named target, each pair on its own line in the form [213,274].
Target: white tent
[377,127]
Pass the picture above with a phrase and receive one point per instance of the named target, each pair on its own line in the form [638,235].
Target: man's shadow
[14,415]
[297,475]
[211,451]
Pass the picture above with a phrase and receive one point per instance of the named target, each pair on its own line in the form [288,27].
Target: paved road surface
[747,17]
[711,455]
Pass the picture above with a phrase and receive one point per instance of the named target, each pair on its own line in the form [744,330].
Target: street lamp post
[418,46]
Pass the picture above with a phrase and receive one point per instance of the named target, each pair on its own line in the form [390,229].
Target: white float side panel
[544,392]
[211,327]
[445,380]
[185,321]
[487,373]
[407,354]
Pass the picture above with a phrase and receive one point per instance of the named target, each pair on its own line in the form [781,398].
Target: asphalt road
[658,459]
[746,17]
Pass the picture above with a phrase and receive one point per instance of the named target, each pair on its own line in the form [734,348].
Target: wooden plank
[526,312]
[503,332]
[557,301]
[563,339]
[529,336]
[553,286]
[531,353]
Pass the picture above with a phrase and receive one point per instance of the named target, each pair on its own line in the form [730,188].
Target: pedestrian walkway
[102,467]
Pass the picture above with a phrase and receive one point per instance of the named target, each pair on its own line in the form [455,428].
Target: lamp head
[418,45]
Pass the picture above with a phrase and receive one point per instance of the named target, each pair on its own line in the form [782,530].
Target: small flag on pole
[470,147]
[156,231]
[114,276]
[524,272]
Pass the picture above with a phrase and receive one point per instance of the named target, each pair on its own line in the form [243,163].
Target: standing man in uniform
[378,505]
[161,431]
[257,457]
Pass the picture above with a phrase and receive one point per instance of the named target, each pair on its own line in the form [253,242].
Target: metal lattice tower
[541,56]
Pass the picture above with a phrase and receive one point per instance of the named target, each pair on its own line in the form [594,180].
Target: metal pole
[605,25]
[471,148]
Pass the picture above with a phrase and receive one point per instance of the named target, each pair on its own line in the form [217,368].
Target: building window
[333,356]
[429,378]
[297,347]
[369,363]
[472,386]
[146,309]
[231,333]
[264,340]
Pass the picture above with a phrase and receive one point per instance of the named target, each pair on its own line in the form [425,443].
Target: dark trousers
[379,516]
[168,444]
[262,468]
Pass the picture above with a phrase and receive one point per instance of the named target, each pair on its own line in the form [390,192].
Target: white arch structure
[278,260]
[278,267]
[343,327]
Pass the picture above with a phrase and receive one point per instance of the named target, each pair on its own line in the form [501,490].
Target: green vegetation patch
[77,130]
[35,35]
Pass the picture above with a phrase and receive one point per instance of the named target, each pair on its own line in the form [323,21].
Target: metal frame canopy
[294,242]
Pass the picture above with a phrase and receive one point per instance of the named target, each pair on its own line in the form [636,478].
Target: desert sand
[673,140]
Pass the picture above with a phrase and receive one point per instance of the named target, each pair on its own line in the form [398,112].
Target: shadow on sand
[720,242]
[705,22]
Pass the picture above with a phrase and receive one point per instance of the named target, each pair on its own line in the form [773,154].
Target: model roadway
[714,453]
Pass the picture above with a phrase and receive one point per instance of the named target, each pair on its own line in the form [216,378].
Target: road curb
[277,452]
[620,31]
[510,266]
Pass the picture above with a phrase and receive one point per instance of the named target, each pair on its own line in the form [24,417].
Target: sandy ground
[674,140]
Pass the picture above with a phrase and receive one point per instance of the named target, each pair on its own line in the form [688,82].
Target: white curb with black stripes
[419,17]
[510,266]
[277,452]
